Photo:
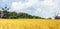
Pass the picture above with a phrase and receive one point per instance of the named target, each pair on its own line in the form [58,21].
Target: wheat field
[29,24]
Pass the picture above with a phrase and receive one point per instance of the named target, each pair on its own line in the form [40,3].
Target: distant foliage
[49,18]
[24,15]
[14,15]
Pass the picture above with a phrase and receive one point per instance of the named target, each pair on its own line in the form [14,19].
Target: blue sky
[42,8]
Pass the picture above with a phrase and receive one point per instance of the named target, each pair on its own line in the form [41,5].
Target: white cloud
[42,7]
[21,6]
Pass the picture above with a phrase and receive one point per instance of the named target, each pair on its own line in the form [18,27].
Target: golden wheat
[29,24]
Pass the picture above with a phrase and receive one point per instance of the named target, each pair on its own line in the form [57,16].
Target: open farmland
[29,24]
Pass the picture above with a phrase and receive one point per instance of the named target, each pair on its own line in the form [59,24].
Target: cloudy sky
[42,8]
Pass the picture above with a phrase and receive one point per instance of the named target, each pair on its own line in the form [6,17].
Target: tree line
[22,15]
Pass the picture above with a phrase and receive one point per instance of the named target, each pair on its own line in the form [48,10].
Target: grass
[29,24]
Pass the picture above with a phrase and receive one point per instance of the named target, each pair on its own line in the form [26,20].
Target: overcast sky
[43,8]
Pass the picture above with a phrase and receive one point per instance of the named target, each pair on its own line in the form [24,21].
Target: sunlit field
[29,24]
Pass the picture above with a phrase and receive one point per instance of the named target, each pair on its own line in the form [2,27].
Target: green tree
[12,15]
[24,15]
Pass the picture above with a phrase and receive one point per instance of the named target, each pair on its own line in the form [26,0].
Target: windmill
[57,16]
[4,13]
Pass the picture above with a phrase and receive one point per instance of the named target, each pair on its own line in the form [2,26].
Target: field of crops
[29,24]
